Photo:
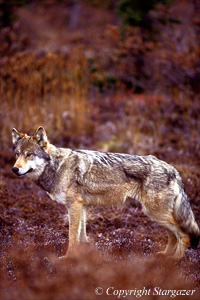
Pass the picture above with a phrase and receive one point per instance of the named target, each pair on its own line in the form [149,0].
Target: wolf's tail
[184,216]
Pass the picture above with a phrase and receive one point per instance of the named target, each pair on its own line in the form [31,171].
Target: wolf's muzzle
[15,170]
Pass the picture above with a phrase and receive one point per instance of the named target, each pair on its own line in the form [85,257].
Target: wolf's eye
[17,154]
[29,155]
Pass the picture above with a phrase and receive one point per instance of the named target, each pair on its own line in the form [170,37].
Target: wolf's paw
[161,253]
[63,257]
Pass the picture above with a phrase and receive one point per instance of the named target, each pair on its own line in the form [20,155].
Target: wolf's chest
[59,197]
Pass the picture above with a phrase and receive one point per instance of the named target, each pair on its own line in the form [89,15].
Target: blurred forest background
[115,75]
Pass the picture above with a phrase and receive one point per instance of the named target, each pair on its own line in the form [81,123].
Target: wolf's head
[31,153]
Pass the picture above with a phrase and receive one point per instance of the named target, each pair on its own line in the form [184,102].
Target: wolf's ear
[16,136]
[41,137]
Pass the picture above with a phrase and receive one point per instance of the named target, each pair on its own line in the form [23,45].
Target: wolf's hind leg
[183,244]
[171,245]
[178,240]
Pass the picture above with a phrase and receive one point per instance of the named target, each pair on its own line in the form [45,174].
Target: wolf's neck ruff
[47,179]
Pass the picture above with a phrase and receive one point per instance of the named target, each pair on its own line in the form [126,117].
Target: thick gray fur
[77,178]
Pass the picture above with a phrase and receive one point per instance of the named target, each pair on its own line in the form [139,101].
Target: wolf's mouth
[16,171]
[31,169]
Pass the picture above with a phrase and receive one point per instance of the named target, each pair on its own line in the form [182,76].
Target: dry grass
[51,90]
[80,95]
[57,91]
[35,276]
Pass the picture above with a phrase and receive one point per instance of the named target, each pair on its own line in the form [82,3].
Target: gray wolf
[77,178]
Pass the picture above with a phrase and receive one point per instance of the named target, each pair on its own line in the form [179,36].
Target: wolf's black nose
[15,170]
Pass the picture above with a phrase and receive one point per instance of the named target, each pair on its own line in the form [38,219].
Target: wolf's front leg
[83,236]
[75,223]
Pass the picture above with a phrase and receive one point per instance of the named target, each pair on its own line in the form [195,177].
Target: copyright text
[138,293]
